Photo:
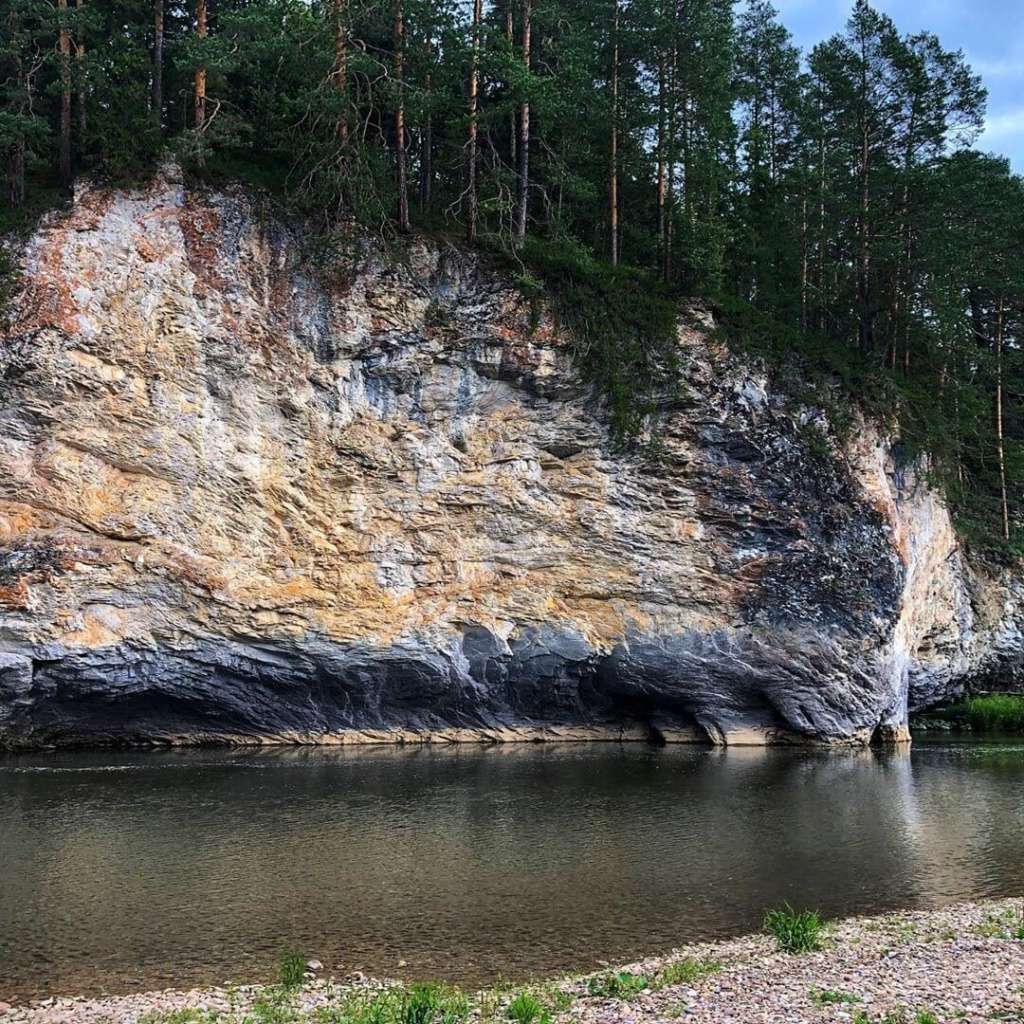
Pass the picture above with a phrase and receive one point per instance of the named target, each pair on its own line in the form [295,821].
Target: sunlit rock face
[249,493]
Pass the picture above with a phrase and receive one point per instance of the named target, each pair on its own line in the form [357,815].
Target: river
[137,870]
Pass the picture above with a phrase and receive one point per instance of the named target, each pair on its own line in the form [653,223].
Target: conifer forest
[618,156]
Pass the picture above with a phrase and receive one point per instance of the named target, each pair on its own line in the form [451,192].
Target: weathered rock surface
[242,497]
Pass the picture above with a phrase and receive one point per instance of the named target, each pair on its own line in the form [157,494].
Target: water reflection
[470,862]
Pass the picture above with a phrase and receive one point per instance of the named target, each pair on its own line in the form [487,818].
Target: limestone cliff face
[244,498]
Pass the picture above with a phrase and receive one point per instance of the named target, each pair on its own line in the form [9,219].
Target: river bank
[964,962]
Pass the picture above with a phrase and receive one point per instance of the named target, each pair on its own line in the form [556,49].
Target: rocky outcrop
[248,492]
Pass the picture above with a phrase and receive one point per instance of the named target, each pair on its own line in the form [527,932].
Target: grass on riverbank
[437,1003]
[988,713]
[429,1003]
[794,931]
[909,967]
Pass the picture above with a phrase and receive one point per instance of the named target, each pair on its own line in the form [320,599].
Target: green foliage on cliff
[624,322]
[943,415]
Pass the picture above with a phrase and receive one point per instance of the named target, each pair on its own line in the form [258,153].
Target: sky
[990,32]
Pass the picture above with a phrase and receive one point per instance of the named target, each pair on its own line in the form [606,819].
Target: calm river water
[121,871]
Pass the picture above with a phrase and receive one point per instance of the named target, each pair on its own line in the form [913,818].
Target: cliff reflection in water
[470,862]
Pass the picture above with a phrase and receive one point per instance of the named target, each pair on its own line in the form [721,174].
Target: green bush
[433,1003]
[793,931]
[995,712]
[623,320]
[526,1010]
[622,985]
[992,712]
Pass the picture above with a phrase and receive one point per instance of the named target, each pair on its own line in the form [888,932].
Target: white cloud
[1009,66]
[1003,126]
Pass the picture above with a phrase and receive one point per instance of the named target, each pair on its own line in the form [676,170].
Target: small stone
[314,965]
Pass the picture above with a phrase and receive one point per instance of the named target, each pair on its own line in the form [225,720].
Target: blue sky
[990,32]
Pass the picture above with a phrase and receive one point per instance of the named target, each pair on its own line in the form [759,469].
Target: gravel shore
[961,963]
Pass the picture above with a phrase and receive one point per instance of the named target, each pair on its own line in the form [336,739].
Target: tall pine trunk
[510,36]
[523,176]
[80,72]
[400,151]
[904,252]
[340,70]
[16,155]
[16,173]
[65,94]
[662,58]
[865,334]
[670,200]
[427,136]
[613,191]
[865,315]
[804,257]
[158,61]
[1000,449]
[474,104]
[200,86]
[820,268]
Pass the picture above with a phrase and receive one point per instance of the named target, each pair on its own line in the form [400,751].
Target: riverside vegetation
[983,713]
[962,962]
[616,153]
[794,931]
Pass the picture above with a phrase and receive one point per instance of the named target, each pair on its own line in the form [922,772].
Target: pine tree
[401,159]
[521,215]
[472,207]
[64,37]
[158,59]
[200,85]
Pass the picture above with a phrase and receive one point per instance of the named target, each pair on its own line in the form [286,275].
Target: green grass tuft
[526,1010]
[793,931]
[897,1016]
[292,969]
[622,985]
[828,996]
[433,1003]
[688,970]
[186,1015]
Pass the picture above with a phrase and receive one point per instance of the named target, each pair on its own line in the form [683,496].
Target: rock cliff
[246,497]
